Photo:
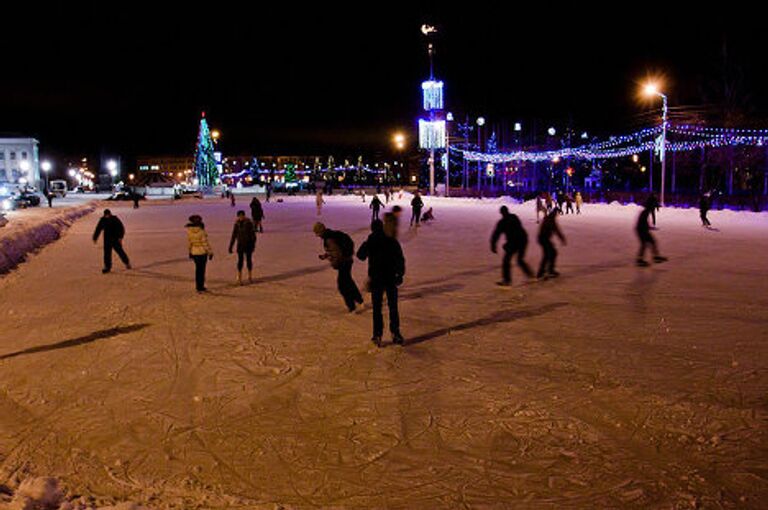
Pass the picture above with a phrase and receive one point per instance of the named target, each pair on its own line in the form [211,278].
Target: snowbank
[44,493]
[23,237]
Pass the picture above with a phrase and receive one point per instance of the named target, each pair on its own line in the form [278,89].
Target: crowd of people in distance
[382,250]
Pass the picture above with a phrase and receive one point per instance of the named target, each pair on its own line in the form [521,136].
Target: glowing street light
[24,165]
[46,166]
[481,121]
[552,131]
[112,167]
[399,140]
[215,135]
[651,89]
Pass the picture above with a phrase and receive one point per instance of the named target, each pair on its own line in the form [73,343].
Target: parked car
[123,195]
[19,200]
[58,188]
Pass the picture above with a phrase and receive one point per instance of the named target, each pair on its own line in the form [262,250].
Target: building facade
[19,161]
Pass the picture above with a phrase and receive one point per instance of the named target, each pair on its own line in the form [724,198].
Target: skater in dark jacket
[517,241]
[416,206]
[386,269]
[257,214]
[375,207]
[643,230]
[244,234]
[546,231]
[113,239]
[705,204]
[339,251]
[652,203]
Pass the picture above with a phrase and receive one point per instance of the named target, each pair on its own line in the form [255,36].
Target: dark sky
[301,77]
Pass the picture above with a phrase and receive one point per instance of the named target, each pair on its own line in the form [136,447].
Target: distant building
[19,161]
[177,167]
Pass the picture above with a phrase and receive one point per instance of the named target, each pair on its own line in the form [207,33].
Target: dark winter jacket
[704,204]
[417,203]
[513,230]
[386,264]
[244,232]
[111,226]
[375,203]
[643,227]
[339,247]
[257,212]
[549,228]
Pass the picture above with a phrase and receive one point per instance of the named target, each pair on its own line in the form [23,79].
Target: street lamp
[46,166]
[215,135]
[399,141]
[480,123]
[651,89]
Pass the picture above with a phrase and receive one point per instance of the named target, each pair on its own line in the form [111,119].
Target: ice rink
[611,386]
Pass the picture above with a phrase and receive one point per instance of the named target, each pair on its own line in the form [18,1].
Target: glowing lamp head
[518,126]
[111,165]
[651,89]
[45,166]
[481,121]
[551,131]
[24,165]
[72,172]
[215,134]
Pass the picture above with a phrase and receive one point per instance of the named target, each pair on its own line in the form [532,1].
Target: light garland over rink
[681,138]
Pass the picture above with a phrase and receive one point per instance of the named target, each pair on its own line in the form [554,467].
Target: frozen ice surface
[611,386]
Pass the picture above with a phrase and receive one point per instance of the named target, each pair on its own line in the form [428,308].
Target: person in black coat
[517,241]
[652,203]
[416,205]
[643,230]
[546,231]
[257,214]
[244,234]
[114,232]
[386,269]
[375,207]
[705,203]
[339,251]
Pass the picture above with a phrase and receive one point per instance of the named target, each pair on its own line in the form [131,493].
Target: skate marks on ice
[81,340]
[501,316]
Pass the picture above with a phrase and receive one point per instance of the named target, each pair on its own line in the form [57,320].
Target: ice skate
[376,339]
[250,276]
[659,259]
[553,274]
[239,278]
[642,263]
[503,284]
[398,339]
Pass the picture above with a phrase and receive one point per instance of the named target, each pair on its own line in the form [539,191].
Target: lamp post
[45,166]
[399,140]
[480,123]
[652,89]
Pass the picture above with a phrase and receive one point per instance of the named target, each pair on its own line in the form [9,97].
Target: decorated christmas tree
[206,172]
[290,172]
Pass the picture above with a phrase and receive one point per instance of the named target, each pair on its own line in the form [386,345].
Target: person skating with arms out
[517,241]
[114,231]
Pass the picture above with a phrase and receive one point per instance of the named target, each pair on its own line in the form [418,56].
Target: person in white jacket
[199,249]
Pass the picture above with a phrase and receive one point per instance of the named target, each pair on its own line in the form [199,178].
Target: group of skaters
[545,203]
[382,249]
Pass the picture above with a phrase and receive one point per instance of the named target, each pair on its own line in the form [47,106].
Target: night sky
[132,77]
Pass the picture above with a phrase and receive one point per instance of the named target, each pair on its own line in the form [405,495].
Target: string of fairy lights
[680,138]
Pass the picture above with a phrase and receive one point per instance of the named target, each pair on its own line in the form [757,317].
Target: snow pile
[26,237]
[44,493]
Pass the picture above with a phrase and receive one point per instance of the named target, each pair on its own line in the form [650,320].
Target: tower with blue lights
[432,131]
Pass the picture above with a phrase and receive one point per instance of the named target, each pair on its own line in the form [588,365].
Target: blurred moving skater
[386,269]
[244,233]
[652,202]
[579,202]
[540,207]
[416,205]
[546,231]
[643,230]
[319,201]
[517,242]
[339,251]
[705,204]
[114,231]
[375,207]
[199,249]
[257,214]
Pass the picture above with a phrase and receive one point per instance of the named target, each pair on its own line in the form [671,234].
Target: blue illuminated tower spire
[432,130]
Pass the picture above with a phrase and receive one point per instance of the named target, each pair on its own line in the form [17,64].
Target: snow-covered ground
[611,386]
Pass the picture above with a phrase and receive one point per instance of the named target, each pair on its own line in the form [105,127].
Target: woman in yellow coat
[199,249]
